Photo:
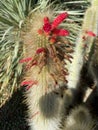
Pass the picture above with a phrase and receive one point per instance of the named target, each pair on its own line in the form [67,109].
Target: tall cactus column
[84,44]
[45,51]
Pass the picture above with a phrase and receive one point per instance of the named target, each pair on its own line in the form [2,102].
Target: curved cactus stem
[84,44]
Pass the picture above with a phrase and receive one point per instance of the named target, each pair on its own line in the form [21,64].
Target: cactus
[45,52]
[37,52]
[45,72]
[83,72]
[13,15]
[78,117]
[84,44]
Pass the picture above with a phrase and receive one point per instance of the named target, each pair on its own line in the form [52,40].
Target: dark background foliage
[13,113]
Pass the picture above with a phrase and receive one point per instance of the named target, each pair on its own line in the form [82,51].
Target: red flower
[90,33]
[26,60]
[59,19]
[40,50]
[61,32]
[47,27]
[51,28]
[29,83]
[46,20]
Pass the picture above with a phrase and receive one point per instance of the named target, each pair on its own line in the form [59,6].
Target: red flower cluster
[51,29]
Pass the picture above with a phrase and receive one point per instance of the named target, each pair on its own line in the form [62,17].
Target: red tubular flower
[46,20]
[90,33]
[29,86]
[59,19]
[47,27]
[26,60]
[29,83]
[40,50]
[61,32]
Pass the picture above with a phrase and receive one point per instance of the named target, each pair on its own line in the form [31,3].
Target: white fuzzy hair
[79,119]
[40,104]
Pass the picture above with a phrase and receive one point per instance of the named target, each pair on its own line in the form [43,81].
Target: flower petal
[90,33]
[40,50]
[30,82]
[25,60]
[61,32]
[59,19]
[46,20]
[47,27]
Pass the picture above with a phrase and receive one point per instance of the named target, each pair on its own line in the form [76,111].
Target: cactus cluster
[41,50]
[47,47]
[13,16]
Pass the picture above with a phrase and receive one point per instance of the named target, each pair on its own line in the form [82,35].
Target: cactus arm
[90,24]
